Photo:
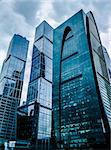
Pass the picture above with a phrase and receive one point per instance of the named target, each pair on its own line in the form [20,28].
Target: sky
[23,16]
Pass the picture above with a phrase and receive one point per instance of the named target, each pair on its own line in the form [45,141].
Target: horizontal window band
[42,37]
[39,56]
[73,78]
[70,56]
[40,76]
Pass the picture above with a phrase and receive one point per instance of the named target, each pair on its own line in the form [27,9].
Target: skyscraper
[11,83]
[40,85]
[81,89]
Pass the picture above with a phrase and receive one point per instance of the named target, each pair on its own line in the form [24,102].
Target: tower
[11,83]
[81,97]
[40,85]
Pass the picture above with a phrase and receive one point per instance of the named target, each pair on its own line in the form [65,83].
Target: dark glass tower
[11,82]
[81,89]
[40,85]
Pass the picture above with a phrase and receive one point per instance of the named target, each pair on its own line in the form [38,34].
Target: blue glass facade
[40,85]
[11,83]
[80,119]
[101,71]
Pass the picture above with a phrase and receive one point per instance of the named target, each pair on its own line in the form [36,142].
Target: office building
[11,83]
[81,87]
[40,84]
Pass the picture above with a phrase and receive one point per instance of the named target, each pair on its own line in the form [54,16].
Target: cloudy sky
[22,16]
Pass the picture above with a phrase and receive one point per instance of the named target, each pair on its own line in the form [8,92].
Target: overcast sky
[22,16]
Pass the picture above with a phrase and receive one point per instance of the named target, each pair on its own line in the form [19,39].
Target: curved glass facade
[78,122]
[102,73]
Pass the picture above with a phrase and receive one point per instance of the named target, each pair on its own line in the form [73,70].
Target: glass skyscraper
[81,87]
[11,83]
[40,85]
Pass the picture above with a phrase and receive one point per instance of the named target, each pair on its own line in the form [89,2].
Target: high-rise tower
[11,83]
[81,87]
[40,85]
